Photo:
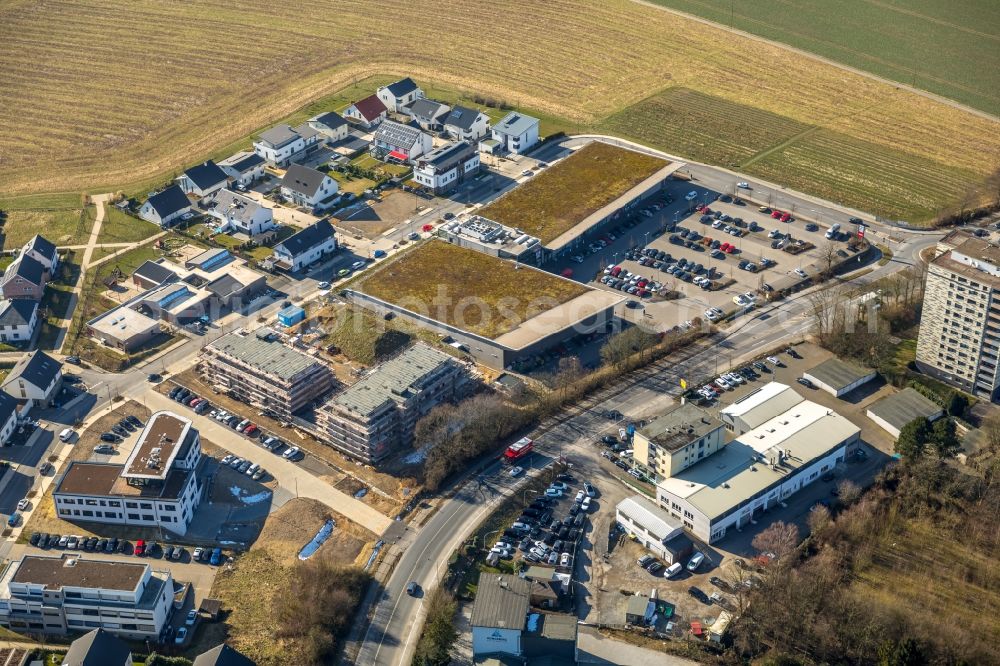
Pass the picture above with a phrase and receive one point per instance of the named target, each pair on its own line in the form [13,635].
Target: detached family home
[24,279]
[36,379]
[443,169]
[244,168]
[236,212]
[44,252]
[368,113]
[331,125]
[222,655]
[307,187]
[467,124]
[18,319]
[516,133]
[98,648]
[399,142]
[428,114]
[8,417]
[399,95]
[279,145]
[202,180]
[166,207]
[306,247]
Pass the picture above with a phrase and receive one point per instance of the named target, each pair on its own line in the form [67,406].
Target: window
[148,516]
[133,516]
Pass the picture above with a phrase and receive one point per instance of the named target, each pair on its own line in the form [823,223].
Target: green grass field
[69,226]
[119,227]
[948,48]
[559,198]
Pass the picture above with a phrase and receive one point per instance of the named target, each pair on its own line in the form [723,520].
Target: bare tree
[828,255]
[779,538]
[848,492]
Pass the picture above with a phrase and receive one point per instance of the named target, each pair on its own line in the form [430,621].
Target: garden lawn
[63,227]
[119,227]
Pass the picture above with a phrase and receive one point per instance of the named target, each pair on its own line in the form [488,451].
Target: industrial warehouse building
[893,412]
[260,370]
[791,442]
[838,377]
[654,528]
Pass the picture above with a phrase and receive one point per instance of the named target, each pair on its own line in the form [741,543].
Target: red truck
[518,449]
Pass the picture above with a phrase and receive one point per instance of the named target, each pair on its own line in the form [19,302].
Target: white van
[66,435]
[673,570]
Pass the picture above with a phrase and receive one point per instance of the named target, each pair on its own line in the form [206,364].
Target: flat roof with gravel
[679,426]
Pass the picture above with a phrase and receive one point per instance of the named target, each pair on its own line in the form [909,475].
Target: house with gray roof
[443,169]
[257,368]
[428,114]
[838,377]
[306,247]
[331,125]
[516,133]
[238,213]
[44,252]
[25,278]
[98,648]
[279,145]
[35,379]
[222,655]
[202,180]
[399,95]
[467,124]
[243,168]
[396,142]
[166,207]
[307,187]
[153,273]
[18,318]
[377,415]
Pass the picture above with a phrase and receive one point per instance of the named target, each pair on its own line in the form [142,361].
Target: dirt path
[99,200]
[847,68]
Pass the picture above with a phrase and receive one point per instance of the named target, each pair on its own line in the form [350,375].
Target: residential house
[244,168]
[467,124]
[45,594]
[18,318]
[98,648]
[307,187]
[516,133]
[368,113]
[159,485]
[398,142]
[239,213]
[306,247]
[399,95]
[378,414]
[222,655]
[280,145]
[258,369]
[202,180]
[44,252]
[311,136]
[428,114]
[331,125]
[8,417]
[24,279]
[36,379]
[166,207]
[443,169]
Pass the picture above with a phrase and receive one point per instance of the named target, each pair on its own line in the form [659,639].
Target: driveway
[289,475]
[593,648]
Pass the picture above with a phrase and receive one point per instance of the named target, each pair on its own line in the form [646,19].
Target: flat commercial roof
[741,470]
[657,521]
[123,323]
[559,318]
[839,374]
[562,202]
[160,441]
[558,627]
[679,426]
[763,404]
[74,571]
[270,357]
[900,408]
[501,602]
[105,479]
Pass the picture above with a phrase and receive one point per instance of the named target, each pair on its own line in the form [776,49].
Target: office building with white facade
[443,169]
[959,340]
[516,133]
[676,439]
[793,443]
[70,594]
[159,485]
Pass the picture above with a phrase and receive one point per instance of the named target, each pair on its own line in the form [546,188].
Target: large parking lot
[716,255]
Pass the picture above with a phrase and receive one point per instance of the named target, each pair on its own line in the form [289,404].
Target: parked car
[216,557]
[673,570]
[805,382]
[182,633]
[140,548]
[515,471]
[412,588]
[695,561]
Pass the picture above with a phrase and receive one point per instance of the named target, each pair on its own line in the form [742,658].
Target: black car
[154,378]
[654,568]
[719,583]
[35,538]
[120,431]
[608,439]
[109,437]
[856,220]
[73,360]
[567,478]
[134,420]
[555,525]
[111,546]
[127,425]
[699,595]
[173,392]
[124,546]
[102,545]
[182,395]
[87,545]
